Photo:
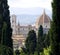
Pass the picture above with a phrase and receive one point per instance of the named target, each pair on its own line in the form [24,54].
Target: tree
[1,19]
[40,40]
[6,19]
[3,38]
[55,28]
[4,50]
[17,52]
[47,40]
[24,49]
[5,26]
[30,42]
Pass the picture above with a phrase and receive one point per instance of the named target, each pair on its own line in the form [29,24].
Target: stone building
[20,32]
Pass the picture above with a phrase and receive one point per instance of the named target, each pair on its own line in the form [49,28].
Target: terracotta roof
[46,19]
[40,21]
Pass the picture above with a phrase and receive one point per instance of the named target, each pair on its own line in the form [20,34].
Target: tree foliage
[1,19]
[4,50]
[55,28]
[47,40]
[30,42]
[40,40]
[5,26]
[7,20]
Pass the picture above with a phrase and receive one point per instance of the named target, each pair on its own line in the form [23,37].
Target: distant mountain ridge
[27,19]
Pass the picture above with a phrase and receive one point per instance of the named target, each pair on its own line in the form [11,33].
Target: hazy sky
[30,3]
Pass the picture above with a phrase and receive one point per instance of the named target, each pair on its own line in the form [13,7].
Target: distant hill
[27,19]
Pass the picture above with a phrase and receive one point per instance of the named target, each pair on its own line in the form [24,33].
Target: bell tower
[13,23]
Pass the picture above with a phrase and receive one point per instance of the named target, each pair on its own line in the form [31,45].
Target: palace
[20,33]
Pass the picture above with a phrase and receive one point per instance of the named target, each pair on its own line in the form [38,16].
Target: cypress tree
[47,40]
[5,28]
[1,19]
[6,17]
[30,42]
[40,40]
[7,31]
[55,28]
[3,38]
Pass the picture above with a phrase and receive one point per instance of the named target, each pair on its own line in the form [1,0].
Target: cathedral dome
[43,20]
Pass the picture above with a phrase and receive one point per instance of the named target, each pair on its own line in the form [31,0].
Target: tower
[13,23]
[18,28]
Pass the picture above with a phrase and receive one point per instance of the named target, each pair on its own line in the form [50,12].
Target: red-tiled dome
[44,18]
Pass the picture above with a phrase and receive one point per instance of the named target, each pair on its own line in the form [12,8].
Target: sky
[30,4]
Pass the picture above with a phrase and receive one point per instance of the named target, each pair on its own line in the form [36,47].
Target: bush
[46,51]
[4,50]
[35,53]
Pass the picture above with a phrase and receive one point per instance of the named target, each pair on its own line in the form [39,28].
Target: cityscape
[20,32]
[29,27]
